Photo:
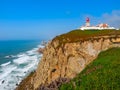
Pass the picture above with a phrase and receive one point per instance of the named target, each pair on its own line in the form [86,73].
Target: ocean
[18,58]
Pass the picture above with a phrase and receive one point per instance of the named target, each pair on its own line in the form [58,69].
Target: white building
[100,26]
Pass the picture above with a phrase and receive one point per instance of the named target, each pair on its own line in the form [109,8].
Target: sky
[45,19]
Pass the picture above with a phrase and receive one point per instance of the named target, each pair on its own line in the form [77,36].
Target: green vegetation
[102,74]
[77,35]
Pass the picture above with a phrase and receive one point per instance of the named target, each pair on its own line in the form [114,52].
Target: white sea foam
[22,59]
[31,52]
[5,64]
[10,56]
[40,46]
[12,72]
[21,55]
[6,71]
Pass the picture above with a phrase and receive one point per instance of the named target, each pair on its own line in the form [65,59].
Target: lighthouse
[87,22]
[102,26]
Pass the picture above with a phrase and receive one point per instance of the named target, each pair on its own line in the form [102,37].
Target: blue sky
[44,19]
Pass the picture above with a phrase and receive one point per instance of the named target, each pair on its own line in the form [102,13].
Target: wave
[5,64]
[22,59]
[12,72]
[10,56]
[7,71]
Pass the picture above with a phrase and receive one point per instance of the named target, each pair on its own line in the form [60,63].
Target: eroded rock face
[69,59]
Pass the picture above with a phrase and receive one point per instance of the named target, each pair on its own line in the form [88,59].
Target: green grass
[79,35]
[102,74]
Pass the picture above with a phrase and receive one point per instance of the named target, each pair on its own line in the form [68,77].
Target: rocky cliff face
[67,60]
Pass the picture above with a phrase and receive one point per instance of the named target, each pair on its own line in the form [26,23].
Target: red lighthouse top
[87,19]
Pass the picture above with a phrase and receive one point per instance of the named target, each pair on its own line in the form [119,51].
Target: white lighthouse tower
[87,22]
[102,26]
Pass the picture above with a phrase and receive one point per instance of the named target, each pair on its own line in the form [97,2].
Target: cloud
[113,18]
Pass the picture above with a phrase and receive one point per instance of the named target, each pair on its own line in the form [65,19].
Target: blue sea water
[15,46]
[17,59]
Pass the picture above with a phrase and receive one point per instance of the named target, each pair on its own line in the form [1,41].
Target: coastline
[20,66]
[67,55]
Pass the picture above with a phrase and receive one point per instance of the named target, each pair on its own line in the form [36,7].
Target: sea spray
[12,72]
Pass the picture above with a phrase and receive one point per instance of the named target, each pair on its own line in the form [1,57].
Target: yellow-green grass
[102,74]
[77,35]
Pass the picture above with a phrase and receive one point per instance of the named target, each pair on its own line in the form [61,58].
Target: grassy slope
[102,74]
[77,35]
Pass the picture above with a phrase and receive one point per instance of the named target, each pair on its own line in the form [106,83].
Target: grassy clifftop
[102,74]
[77,35]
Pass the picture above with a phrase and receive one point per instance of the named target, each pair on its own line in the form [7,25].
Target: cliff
[67,55]
[101,74]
